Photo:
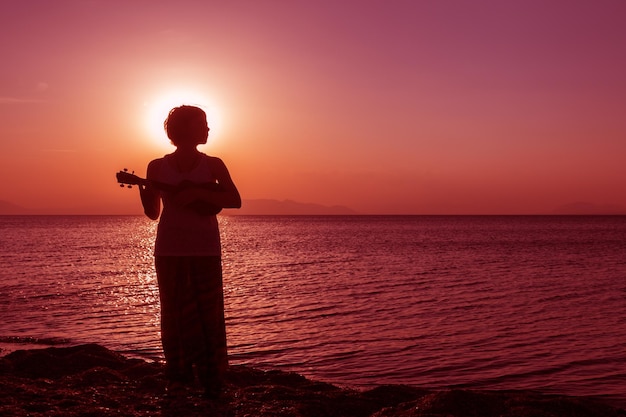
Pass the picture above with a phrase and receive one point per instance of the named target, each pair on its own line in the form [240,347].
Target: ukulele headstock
[128,179]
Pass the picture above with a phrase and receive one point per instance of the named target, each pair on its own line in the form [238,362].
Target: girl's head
[186,125]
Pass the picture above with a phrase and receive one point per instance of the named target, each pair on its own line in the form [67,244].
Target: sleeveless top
[182,231]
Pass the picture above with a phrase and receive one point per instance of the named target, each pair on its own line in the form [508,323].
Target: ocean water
[484,302]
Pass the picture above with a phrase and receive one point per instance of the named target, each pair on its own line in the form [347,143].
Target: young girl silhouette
[188,252]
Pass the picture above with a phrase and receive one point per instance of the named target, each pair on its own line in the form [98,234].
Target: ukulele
[128,179]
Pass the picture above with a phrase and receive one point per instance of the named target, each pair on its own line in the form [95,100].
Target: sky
[386,107]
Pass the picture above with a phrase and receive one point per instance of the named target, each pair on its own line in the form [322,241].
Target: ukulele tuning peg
[122,185]
[125,169]
[129,186]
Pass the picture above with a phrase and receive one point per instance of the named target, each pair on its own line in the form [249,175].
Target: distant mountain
[7,207]
[583,207]
[287,207]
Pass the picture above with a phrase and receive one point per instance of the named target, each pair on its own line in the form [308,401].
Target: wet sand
[89,380]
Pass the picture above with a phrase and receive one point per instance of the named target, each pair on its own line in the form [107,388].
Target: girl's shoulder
[156,165]
[161,159]
[212,161]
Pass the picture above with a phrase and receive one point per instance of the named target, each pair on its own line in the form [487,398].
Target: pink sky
[416,107]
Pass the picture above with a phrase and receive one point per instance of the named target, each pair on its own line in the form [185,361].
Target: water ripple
[484,302]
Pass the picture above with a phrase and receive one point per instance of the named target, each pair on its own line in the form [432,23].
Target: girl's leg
[172,276]
[212,361]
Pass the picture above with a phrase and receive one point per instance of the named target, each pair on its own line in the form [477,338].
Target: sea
[475,302]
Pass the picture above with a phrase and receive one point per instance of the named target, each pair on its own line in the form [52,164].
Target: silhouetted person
[193,187]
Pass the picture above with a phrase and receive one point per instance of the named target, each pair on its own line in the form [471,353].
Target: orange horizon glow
[385,108]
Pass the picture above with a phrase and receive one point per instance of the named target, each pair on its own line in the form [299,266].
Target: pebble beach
[90,380]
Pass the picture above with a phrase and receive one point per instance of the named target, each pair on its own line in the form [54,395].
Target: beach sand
[90,380]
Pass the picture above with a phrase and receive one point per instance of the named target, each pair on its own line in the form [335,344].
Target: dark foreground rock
[89,380]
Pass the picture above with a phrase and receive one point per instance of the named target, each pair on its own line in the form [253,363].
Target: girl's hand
[185,197]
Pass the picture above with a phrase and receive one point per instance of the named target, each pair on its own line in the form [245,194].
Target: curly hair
[186,123]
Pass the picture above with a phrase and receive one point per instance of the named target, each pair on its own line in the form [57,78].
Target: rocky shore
[89,380]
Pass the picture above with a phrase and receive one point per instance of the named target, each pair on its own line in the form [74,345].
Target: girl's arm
[227,197]
[150,197]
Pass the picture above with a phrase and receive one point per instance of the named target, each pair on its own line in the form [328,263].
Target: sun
[158,107]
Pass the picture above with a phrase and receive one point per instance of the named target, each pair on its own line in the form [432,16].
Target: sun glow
[157,109]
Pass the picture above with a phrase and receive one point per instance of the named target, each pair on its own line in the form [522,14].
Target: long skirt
[192,317]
